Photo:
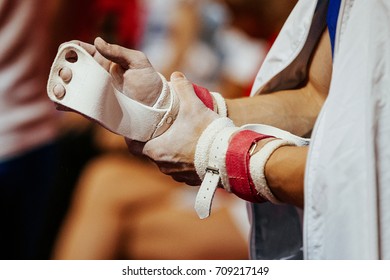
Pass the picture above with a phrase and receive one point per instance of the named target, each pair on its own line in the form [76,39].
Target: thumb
[181,84]
[183,87]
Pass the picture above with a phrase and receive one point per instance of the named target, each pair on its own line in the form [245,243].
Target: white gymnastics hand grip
[90,92]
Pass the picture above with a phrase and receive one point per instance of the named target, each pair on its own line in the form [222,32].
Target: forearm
[284,172]
[291,110]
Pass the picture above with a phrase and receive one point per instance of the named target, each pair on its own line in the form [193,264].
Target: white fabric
[348,169]
[206,164]
[243,55]
[205,195]
[203,146]
[257,164]
[210,159]
[91,93]
[349,166]
[278,133]
[281,69]
[215,170]
[219,104]
[219,149]
[27,117]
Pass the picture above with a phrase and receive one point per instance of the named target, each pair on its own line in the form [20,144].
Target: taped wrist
[237,164]
[225,156]
[245,168]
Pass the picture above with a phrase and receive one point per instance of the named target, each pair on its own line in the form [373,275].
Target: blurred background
[68,188]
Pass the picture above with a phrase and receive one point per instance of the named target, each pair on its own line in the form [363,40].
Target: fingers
[88,47]
[135,147]
[180,172]
[126,58]
[91,49]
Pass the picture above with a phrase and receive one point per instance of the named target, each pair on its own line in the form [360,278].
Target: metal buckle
[213,170]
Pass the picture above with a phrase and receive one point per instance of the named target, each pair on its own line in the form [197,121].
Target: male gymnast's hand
[133,75]
[174,150]
[131,70]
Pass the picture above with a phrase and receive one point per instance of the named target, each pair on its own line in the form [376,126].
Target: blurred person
[211,41]
[179,33]
[124,208]
[28,128]
[248,34]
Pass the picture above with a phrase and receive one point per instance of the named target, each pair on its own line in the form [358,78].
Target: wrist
[285,172]
[235,157]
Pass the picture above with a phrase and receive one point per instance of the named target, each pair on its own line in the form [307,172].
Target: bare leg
[125,208]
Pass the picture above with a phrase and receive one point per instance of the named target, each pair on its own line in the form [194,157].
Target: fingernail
[59,91]
[66,74]
[177,76]
[99,41]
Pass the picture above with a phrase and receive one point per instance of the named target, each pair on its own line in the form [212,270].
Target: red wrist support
[237,165]
[205,96]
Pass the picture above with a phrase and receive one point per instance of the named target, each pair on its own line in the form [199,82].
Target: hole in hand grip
[71,56]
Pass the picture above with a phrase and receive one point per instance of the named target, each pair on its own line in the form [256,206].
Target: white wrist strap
[210,160]
[204,144]
[214,171]
[206,164]
[90,92]
[256,167]
[220,104]
[277,133]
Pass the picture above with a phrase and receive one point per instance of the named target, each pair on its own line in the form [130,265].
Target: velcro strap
[219,104]
[213,100]
[237,165]
[204,95]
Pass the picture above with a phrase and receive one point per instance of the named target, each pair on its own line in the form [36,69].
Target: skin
[285,168]
[118,212]
[294,110]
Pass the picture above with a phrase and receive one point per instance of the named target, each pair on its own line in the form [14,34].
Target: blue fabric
[25,185]
[331,20]
[276,232]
